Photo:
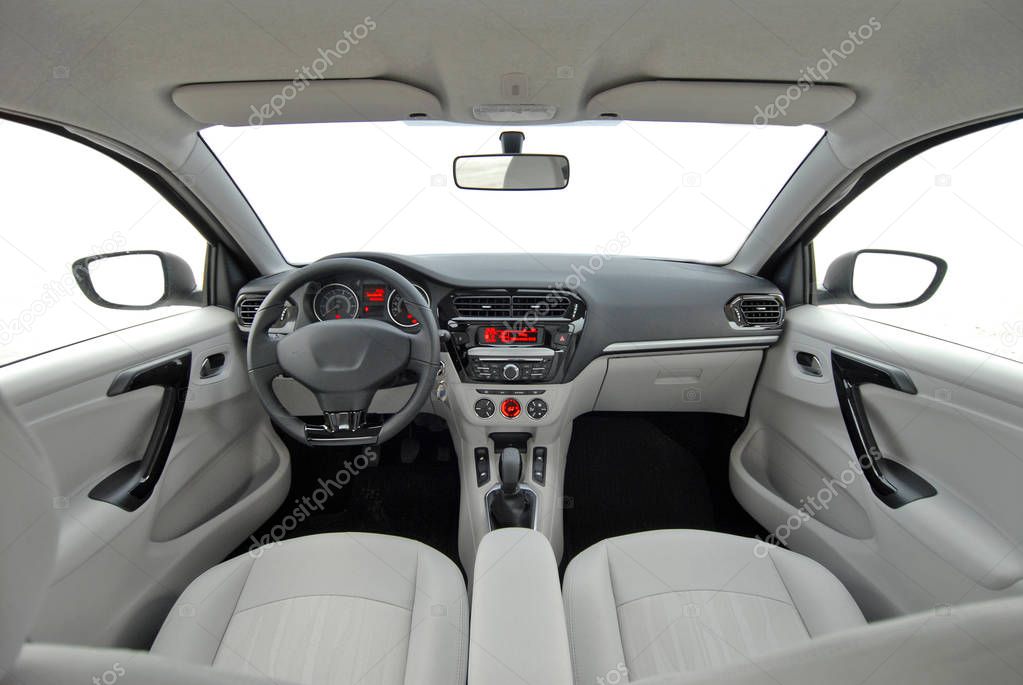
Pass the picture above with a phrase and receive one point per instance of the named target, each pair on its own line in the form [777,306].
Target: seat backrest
[28,531]
[974,643]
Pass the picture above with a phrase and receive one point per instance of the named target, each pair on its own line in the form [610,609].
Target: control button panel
[540,465]
[511,371]
[537,408]
[482,457]
[484,408]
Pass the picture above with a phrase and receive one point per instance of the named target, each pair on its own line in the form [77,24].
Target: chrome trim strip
[692,344]
[510,352]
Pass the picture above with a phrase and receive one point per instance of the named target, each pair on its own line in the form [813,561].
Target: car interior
[545,342]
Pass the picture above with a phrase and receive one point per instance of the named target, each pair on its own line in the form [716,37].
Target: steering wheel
[343,362]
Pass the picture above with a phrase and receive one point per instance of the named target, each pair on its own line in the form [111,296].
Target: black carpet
[628,473]
[418,500]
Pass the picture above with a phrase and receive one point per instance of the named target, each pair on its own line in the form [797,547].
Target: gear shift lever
[511,507]
[510,470]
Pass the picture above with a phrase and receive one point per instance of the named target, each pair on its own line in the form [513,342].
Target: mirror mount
[178,281]
[511,142]
[839,279]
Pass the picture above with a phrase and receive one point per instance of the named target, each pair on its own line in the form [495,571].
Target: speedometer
[399,313]
[336,301]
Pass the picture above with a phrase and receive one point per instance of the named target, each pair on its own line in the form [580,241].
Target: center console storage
[518,632]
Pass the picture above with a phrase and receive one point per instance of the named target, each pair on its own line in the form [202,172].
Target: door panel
[119,571]
[795,470]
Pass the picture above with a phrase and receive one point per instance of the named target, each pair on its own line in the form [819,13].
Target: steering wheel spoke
[343,428]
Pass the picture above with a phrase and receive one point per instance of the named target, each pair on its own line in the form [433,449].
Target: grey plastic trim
[692,344]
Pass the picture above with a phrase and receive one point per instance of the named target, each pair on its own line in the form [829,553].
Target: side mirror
[882,279]
[138,279]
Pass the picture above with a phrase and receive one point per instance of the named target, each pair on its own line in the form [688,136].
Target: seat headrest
[28,532]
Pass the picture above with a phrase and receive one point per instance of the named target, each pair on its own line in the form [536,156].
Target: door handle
[212,365]
[809,364]
[893,483]
[130,486]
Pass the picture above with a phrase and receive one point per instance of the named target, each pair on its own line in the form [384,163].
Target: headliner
[932,63]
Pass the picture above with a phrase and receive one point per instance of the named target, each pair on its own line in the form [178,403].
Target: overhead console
[512,335]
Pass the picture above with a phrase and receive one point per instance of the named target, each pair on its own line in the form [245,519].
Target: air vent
[544,305]
[756,311]
[483,306]
[245,309]
[496,304]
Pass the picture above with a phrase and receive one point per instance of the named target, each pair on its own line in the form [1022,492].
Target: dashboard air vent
[245,309]
[480,305]
[549,304]
[756,311]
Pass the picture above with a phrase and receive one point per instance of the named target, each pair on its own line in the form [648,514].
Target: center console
[505,392]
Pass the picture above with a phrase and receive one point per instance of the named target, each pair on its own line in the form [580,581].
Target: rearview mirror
[138,279]
[882,279]
[511,172]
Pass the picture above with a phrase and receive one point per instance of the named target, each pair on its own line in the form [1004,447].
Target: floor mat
[418,500]
[628,473]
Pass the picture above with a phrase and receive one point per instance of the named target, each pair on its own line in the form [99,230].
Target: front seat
[333,609]
[330,608]
[687,601]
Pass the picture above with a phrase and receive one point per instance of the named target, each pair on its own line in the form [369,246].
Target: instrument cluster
[362,299]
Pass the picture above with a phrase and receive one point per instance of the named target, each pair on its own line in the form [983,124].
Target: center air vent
[548,304]
[756,311]
[245,309]
[538,304]
[483,306]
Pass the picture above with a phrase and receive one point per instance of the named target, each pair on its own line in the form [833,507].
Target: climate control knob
[511,372]
[484,408]
[536,409]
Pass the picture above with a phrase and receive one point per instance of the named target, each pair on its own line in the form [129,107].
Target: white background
[683,191]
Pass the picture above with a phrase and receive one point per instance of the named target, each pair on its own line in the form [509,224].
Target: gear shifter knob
[510,470]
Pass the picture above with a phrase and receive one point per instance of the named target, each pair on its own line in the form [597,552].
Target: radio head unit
[512,335]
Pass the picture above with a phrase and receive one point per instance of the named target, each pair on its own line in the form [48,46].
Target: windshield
[653,189]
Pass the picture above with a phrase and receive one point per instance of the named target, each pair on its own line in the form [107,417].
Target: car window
[959,201]
[63,201]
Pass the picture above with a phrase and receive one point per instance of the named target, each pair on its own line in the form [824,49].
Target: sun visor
[727,102]
[253,103]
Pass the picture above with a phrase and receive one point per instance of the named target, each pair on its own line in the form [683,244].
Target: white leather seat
[324,609]
[686,600]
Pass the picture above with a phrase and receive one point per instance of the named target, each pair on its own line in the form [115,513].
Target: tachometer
[399,313]
[336,301]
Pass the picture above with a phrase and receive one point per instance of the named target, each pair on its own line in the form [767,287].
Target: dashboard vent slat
[245,309]
[540,304]
[543,305]
[483,306]
[756,311]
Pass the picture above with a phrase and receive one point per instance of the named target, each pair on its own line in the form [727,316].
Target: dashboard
[521,318]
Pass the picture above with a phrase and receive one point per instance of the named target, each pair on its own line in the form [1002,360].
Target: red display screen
[491,335]
[374,294]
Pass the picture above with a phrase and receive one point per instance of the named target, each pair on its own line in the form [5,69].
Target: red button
[511,408]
